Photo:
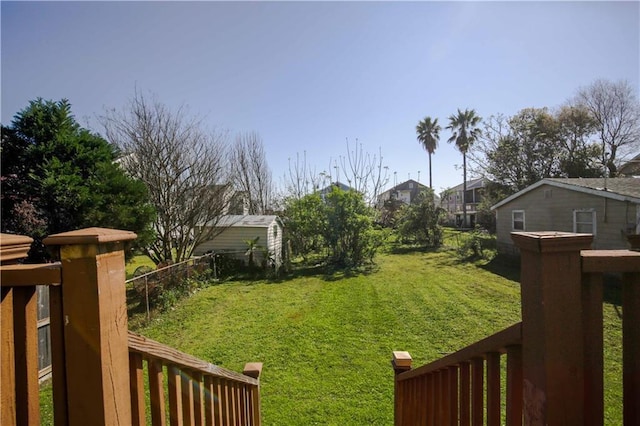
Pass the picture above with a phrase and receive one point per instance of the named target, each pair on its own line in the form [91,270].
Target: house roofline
[563,185]
[470,182]
[395,187]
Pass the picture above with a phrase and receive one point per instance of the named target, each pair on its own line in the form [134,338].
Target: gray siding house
[607,208]
[235,230]
[405,192]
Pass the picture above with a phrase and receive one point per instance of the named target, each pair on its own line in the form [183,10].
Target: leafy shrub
[169,296]
[349,229]
[167,286]
[227,265]
[340,223]
[419,221]
[476,244]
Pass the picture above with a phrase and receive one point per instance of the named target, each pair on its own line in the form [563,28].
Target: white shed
[237,229]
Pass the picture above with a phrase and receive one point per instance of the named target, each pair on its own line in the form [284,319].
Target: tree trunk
[430,183]
[464,190]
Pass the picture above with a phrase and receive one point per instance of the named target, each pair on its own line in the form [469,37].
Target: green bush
[340,225]
[348,233]
[226,265]
[419,222]
[477,244]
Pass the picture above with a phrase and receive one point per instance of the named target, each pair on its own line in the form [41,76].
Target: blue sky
[309,75]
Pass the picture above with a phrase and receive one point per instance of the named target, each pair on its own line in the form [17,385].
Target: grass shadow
[337,274]
[135,302]
[298,271]
[322,271]
[407,249]
[325,272]
[505,266]
[612,290]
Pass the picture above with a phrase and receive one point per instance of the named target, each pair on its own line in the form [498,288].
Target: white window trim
[524,223]
[594,223]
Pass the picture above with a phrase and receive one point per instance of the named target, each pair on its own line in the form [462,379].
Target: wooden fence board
[631,348]
[7,354]
[175,396]
[156,391]
[514,385]
[493,389]
[25,317]
[136,382]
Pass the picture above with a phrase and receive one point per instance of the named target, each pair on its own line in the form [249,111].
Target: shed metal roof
[247,221]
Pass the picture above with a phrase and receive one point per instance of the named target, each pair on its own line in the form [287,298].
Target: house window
[410,185]
[517,220]
[584,221]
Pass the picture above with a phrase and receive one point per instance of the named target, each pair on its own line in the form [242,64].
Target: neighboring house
[405,192]
[631,168]
[607,208]
[324,191]
[452,199]
[235,230]
[238,203]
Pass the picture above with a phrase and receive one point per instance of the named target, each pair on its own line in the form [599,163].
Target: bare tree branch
[615,107]
[251,172]
[185,169]
[300,178]
[362,171]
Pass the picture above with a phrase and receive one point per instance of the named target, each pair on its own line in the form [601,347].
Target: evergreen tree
[58,176]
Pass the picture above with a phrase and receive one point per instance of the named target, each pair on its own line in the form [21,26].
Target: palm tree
[464,132]
[428,134]
[252,246]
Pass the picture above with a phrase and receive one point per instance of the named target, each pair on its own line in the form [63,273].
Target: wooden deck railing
[554,357]
[595,263]
[19,387]
[97,364]
[453,387]
[198,392]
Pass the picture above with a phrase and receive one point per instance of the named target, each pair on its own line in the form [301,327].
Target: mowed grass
[326,342]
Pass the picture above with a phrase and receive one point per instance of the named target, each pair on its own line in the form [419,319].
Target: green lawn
[326,341]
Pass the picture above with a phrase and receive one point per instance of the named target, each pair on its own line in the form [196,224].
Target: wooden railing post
[254,369]
[552,330]
[19,375]
[96,360]
[401,362]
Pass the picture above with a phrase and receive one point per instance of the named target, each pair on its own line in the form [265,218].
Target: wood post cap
[90,236]
[253,369]
[551,241]
[14,247]
[402,359]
